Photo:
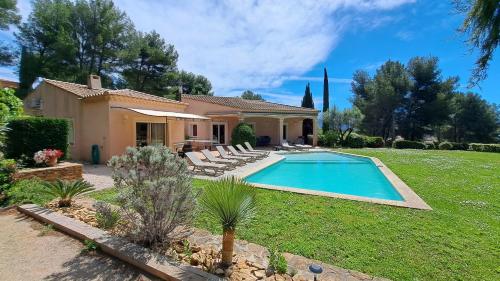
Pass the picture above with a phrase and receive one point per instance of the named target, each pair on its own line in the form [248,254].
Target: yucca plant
[66,190]
[232,202]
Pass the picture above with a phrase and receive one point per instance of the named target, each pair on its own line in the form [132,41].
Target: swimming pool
[328,172]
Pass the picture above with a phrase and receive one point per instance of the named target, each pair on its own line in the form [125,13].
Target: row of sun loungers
[216,166]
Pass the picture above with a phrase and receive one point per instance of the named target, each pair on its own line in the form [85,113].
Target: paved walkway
[29,252]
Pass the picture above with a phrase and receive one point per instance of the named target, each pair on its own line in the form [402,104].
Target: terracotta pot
[52,162]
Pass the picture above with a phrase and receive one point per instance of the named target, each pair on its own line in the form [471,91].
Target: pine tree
[326,100]
[307,100]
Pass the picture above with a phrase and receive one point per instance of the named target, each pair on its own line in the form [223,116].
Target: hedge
[354,141]
[242,133]
[485,147]
[453,146]
[404,144]
[374,142]
[328,139]
[27,135]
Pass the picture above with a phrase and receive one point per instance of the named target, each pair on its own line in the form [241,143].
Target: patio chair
[255,154]
[236,153]
[232,164]
[286,146]
[251,149]
[223,154]
[204,168]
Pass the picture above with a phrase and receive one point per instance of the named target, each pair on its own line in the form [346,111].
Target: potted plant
[48,157]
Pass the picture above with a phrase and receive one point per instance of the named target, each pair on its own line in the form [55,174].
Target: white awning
[158,113]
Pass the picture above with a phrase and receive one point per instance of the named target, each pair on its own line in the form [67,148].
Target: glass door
[219,133]
[150,134]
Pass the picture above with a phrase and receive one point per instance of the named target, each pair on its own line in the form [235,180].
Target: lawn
[458,240]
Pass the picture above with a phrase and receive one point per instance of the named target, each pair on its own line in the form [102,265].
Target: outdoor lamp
[315,269]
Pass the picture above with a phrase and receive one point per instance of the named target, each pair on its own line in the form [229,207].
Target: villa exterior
[116,119]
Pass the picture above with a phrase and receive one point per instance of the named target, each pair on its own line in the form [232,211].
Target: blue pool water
[329,172]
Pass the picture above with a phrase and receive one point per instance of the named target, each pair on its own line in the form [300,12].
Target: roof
[251,105]
[8,84]
[84,92]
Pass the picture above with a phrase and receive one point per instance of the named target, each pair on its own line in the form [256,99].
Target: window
[150,134]
[193,130]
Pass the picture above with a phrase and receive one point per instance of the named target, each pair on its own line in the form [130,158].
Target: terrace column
[315,130]
[280,136]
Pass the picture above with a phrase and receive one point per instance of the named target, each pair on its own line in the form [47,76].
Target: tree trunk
[227,247]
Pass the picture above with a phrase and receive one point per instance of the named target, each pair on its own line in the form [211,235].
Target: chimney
[94,82]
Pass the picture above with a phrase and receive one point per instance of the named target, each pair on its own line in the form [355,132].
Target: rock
[270,278]
[259,273]
[279,277]
[195,249]
[219,271]
[299,277]
[195,259]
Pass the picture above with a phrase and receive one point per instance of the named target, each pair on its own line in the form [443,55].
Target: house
[116,119]
[8,84]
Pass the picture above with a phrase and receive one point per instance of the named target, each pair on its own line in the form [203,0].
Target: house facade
[117,119]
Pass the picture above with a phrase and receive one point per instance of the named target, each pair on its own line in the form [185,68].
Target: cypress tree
[307,100]
[326,99]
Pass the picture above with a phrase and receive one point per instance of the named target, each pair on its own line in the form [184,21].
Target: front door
[219,133]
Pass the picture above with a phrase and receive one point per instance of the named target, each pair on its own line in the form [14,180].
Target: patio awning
[158,113]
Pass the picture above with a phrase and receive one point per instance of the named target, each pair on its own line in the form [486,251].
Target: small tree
[232,202]
[307,100]
[344,121]
[242,133]
[155,193]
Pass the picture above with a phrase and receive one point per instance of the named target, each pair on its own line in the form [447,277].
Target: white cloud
[251,44]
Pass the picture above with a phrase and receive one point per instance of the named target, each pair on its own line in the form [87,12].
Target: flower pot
[52,162]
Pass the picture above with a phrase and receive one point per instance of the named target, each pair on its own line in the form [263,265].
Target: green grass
[458,240]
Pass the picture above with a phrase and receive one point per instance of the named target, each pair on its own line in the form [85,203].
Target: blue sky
[275,47]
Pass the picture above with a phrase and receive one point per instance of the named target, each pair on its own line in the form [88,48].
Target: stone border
[411,199]
[140,257]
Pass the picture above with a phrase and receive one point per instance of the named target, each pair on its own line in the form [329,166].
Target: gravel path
[98,175]
[30,251]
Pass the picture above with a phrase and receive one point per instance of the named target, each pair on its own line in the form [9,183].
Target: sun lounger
[223,154]
[286,146]
[205,168]
[210,157]
[251,149]
[236,153]
[255,154]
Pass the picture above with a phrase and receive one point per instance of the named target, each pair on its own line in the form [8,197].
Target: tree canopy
[69,40]
[482,24]
[8,16]
[415,101]
[307,100]
[249,95]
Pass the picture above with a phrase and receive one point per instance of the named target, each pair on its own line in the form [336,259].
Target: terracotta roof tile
[250,105]
[84,92]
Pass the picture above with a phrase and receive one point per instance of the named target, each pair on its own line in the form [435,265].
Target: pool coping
[411,199]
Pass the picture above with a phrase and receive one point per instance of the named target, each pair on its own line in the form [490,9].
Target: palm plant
[66,190]
[232,202]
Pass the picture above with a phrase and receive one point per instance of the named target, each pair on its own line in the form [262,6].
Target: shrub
[329,139]
[453,146]
[374,142]
[277,262]
[7,168]
[28,191]
[155,194]
[232,202]
[430,145]
[10,105]
[445,145]
[484,147]
[354,141]
[404,144]
[242,133]
[27,135]
[66,190]
[105,216]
